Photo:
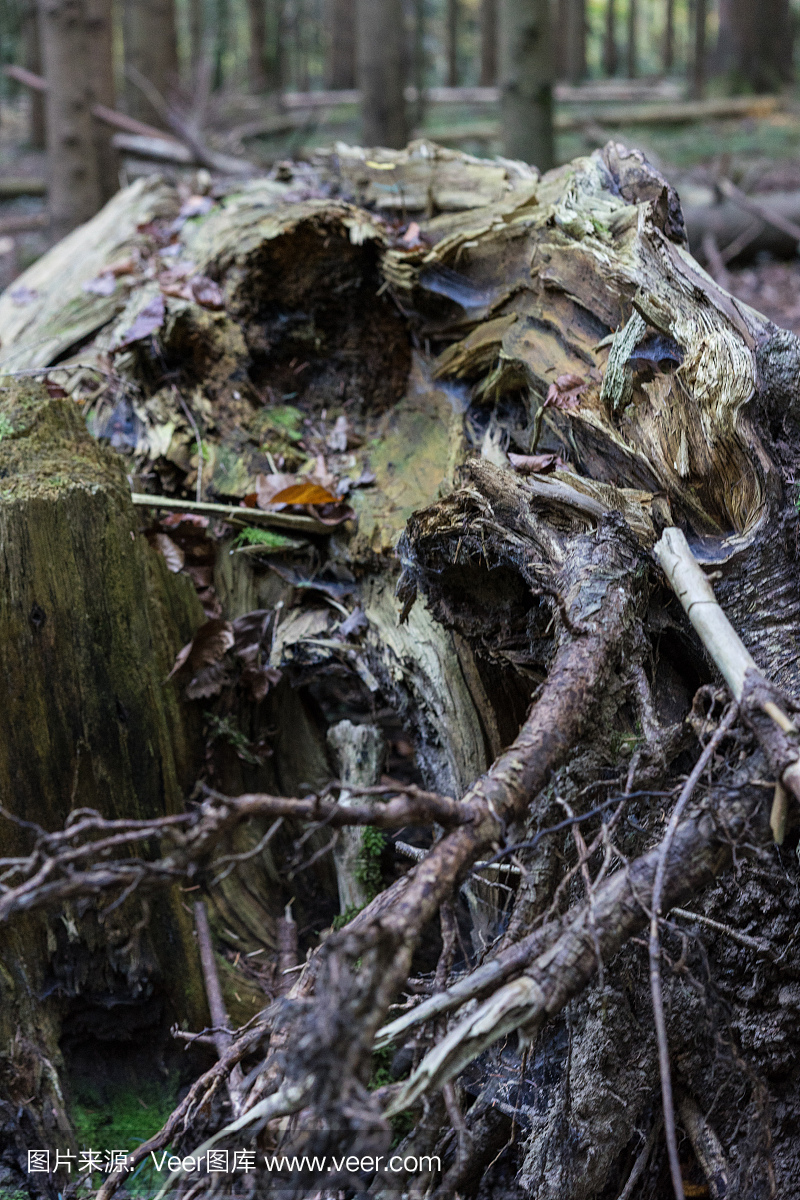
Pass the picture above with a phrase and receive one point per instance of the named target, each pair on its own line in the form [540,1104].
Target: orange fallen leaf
[304,493]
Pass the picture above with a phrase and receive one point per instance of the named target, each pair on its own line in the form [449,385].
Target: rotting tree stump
[90,620]
[455,314]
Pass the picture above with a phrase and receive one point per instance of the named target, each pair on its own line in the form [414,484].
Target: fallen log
[23,223]
[730,220]
[158,149]
[602,91]
[511,637]
[11,188]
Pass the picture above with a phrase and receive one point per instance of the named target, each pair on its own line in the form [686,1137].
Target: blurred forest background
[95,93]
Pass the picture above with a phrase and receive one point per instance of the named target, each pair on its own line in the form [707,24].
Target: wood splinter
[728,652]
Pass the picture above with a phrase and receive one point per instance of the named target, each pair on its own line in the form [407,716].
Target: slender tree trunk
[381,72]
[33,61]
[760,41]
[420,61]
[341,43]
[669,37]
[610,60]
[699,59]
[488,19]
[526,81]
[150,42]
[632,62]
[221,41]
[101,51]
[451,41]
[196,31]
[573,33]
[74,183]
[257,48]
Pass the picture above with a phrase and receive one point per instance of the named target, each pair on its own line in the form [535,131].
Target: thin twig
[655,951]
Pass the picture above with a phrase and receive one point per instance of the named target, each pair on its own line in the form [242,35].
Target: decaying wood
[427,321]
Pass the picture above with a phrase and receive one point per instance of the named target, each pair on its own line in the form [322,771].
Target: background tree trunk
[33,62]
[451,41]
[669,37]
[222,17]
[340,21]
[381,72]
[571,40]
[101,49]
[488,28]
[257,48]
[197,47]
[151,47]
[419,65]
[74,188]
[526,81]
[699,56]
[757,43]
[632,53]
[610,59]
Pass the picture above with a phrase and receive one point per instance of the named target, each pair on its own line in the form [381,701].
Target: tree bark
[101,43]
[197,46]
[257,48]
[699,55]
[488,28]
[756,44]
[669,37]
[572,40]
[340,20]
[74,187]
[526,81]
[610,39]
[151,47]
[451,41]
[382,72]
[33,62]
[632,51]
[221,43]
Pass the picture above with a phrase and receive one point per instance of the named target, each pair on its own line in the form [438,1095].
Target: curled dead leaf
[304,493]
[175,558]
[208,646]
[566,392]
[206,292]
[149,320]
[533,464]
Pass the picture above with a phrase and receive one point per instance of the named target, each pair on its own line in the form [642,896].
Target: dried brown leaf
[173,554]
[206,292]
[533,464]
[566,392]
[149,320]
[208,646]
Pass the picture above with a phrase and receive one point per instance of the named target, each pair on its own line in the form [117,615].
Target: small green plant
[381,1068]
[344,918]
[368,863]
[266,538]
[226,728]
[6,427]
[121,1118]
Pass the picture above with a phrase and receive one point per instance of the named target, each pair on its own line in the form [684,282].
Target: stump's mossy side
[90,622]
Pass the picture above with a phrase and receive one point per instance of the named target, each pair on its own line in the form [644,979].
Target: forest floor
[758,155]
